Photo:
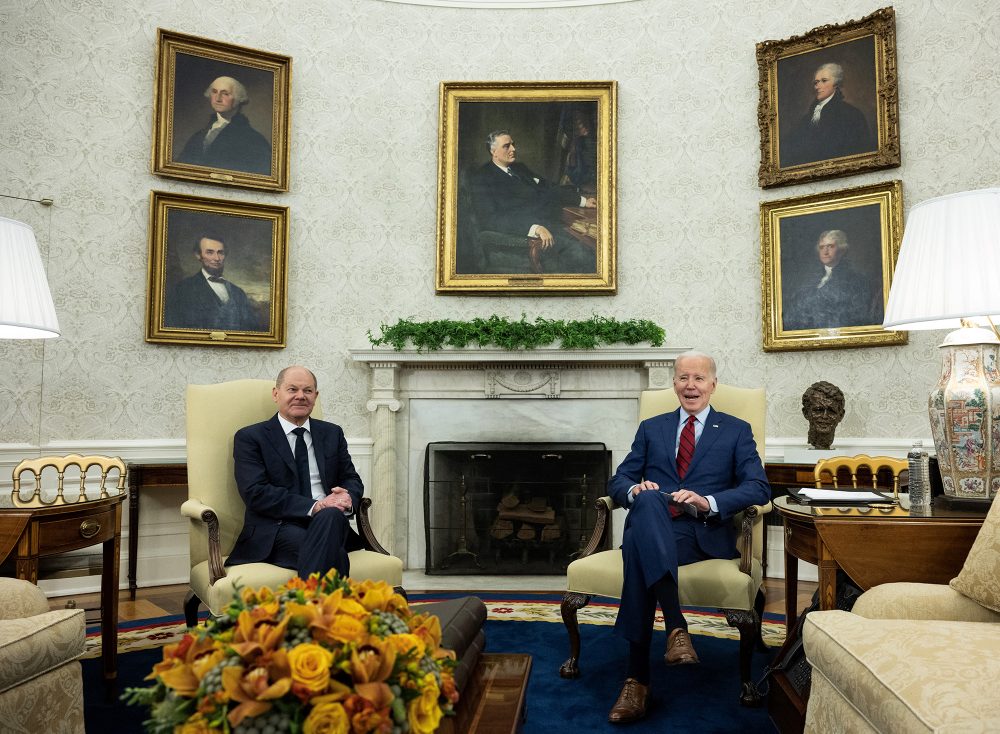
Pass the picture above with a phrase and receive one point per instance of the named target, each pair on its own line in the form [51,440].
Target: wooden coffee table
[493,701]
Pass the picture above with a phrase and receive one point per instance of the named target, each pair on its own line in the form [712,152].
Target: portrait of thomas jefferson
[832,270]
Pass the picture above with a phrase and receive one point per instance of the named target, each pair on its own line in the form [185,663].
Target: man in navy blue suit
[509,197]
[299,485]
[688,473]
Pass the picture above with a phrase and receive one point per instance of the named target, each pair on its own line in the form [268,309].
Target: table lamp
[26,310]
[946,277]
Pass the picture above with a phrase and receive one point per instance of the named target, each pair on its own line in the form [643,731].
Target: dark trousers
[316,545]
[655,544]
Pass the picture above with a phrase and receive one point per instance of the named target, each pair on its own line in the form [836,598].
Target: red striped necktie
[685,450]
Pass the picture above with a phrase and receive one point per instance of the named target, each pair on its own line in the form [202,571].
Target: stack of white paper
[840,495]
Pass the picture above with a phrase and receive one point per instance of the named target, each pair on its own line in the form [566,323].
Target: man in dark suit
[509,197]
[228,140]
[688,473]
[206,300]
[832,127]
[836,294]
[298,483]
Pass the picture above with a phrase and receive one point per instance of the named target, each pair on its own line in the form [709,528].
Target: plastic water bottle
[918,464]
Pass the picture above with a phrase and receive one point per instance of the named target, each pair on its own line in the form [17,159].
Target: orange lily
[378,595]
[253,690]
[256,636]
[373,663]
[182,667]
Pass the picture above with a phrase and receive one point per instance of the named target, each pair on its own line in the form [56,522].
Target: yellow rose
[327,718]
[310,666]
[423,713]
[344,628]
[406,644]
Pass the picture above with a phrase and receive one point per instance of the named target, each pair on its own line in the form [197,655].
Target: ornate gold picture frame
[826,267]
[829,101]
[526,188]
[216,272]
[220,113]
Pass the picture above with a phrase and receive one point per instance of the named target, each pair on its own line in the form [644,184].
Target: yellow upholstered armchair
[912,657]
[735,587]
[215,508]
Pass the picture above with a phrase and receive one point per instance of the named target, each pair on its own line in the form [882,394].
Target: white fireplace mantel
[475,394]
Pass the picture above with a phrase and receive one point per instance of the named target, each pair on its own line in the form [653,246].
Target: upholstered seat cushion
[701,584]
[907,600]
[32,646]
[902,675]
[364,565]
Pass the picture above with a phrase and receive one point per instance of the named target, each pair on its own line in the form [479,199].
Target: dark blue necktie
[302,461]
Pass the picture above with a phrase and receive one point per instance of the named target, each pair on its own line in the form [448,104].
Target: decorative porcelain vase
[965,415]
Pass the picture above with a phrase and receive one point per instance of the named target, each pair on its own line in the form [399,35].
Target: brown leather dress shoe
[680,651]
[631,703]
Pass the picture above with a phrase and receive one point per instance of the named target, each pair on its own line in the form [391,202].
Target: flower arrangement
[322,656]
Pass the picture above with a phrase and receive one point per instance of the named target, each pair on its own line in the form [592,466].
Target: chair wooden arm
[602,527]
[365,529]
[201,512]
[744,543]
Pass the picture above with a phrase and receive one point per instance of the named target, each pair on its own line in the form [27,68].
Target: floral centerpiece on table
[322,656]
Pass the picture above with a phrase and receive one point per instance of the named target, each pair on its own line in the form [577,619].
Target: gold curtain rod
[43,202]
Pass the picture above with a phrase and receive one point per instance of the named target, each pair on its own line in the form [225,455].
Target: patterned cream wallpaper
[76,92]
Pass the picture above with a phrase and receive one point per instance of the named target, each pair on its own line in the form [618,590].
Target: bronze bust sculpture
[823,407]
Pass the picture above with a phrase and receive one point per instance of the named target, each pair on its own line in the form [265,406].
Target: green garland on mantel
[517,335]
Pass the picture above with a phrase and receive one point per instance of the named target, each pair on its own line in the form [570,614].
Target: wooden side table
[35,532]
[871,546]
[146,476]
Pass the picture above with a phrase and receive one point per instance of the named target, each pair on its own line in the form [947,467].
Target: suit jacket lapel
[280,442]
[670,423]
[319,443]
[709,435]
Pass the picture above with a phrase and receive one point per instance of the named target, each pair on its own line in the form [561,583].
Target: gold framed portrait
[526,188]
[826,268]
[217,272]
[220,113]
[829,101]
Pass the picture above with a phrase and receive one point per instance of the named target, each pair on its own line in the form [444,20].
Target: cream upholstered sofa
[913,657]
[41,683]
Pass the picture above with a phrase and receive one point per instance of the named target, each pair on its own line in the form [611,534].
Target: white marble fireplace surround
[493,395]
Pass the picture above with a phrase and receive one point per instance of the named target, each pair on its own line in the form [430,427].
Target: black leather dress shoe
[631,703]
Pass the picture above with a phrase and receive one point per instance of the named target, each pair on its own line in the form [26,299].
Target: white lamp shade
[26,310]
[949,263]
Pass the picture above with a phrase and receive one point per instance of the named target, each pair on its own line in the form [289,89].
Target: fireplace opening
[510,508]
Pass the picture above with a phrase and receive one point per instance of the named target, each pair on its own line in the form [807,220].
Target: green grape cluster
[212,681]
[297,634]
[385,623]
[271,722]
